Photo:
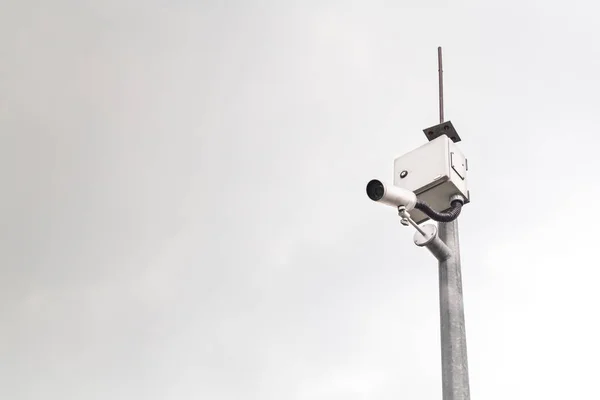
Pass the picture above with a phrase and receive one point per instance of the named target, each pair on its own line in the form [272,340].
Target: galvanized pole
[455,370]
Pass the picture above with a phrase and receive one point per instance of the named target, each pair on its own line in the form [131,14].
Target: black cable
[447,216]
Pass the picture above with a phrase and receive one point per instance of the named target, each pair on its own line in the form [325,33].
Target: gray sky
[183,208]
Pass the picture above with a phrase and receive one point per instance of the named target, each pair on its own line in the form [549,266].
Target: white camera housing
[435,172]
[391,195]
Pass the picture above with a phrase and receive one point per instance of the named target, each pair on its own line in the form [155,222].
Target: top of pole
[441,84]
[444,128]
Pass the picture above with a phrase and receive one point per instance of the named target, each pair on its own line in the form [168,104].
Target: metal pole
[455,370]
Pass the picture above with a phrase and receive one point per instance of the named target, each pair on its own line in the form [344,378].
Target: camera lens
[375,190]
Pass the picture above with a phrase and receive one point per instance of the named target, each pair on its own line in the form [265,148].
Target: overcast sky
[183,209]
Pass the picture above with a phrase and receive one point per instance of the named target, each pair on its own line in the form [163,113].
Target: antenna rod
[441,82]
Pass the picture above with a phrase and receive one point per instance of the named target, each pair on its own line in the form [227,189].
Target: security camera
[391,195]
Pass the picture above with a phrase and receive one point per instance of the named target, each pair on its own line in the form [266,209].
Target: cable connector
[456,201]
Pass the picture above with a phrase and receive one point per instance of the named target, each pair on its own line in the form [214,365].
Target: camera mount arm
[426,236]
